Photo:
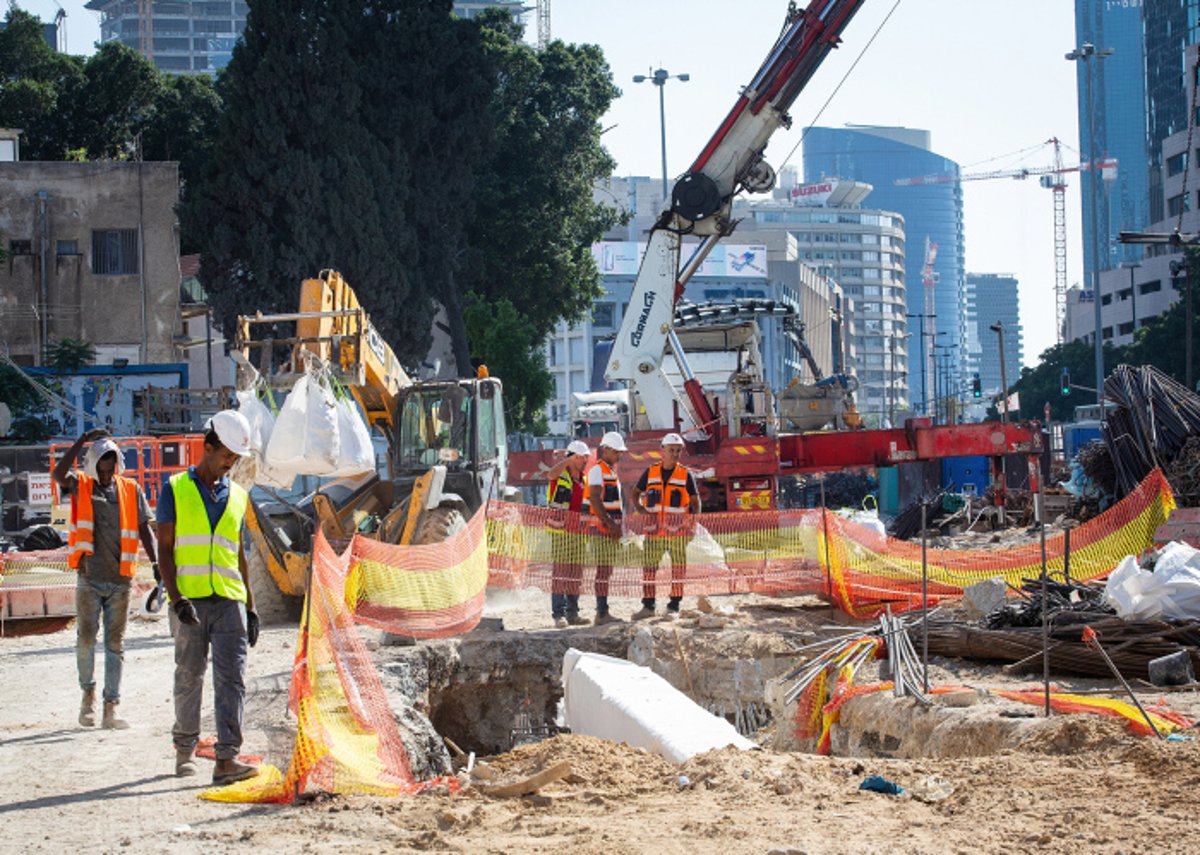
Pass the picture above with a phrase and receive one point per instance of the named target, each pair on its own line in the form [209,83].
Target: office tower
[933,226]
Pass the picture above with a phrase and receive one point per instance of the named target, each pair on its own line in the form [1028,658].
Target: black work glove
[252,627]
[157,575]
[186,612]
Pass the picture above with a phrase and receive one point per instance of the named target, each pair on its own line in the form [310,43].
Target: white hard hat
[578,447]
[98,449]
[613,440]
[672,439]
[232,429]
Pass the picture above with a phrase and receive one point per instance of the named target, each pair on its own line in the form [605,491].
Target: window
[1125,328]
[1106,332]
[602,315]
[66,247]
[1106,300]
[1177,205]
[1150,287]
[114,252]
[20,247]
[1177,163]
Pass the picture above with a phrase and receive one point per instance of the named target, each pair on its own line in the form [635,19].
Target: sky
[986,79]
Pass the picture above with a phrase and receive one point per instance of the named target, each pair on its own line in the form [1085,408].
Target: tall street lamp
[998,329]
[659,78]
[1086,54]
[924,391]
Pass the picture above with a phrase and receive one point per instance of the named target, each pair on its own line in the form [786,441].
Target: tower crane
[1053,179]
[929,279]
[543,24]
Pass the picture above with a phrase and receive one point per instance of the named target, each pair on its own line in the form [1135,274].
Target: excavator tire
[439,524]
[272,605]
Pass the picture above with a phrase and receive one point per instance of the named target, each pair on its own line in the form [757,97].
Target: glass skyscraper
[1169,27]
[934,212]
[1119,101]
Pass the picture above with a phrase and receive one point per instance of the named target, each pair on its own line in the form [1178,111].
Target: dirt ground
[1087,787]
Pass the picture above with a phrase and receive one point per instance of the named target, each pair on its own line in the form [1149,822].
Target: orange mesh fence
[800,551]
[346,735]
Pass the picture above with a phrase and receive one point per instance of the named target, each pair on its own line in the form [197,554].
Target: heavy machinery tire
[438,524]
[272,605]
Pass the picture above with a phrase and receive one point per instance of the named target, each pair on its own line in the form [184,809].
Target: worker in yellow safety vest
[602,502]
[564,498]
[109,515]
[667,497]
[200,516]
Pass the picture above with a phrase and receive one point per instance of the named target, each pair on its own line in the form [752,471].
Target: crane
[543,24]
[1052,178]
[929,279]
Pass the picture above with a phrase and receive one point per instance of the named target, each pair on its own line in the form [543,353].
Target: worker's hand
[252,627]
[613,529]
[95,434]
[186,612]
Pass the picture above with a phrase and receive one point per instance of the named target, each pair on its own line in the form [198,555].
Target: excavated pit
[492,690]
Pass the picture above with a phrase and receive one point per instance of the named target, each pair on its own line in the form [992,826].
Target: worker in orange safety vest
[666,494]
[109,515]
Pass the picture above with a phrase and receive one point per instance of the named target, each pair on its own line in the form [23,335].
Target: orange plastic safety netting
[795,551]
[346,735]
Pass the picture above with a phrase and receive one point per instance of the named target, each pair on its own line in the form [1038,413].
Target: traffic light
[1066,382]
[976,387]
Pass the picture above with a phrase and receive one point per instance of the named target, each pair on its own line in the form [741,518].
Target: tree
[535,220]
[66,355]
[1043,384]
[182,127]
[37,87]
[352,163]
[113,104]
[503,340]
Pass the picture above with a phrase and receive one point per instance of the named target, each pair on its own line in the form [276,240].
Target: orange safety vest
[83,523]
[611,495]
[558,498]
[668,499]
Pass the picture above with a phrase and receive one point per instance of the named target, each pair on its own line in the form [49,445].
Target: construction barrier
[797,551]
[346,735]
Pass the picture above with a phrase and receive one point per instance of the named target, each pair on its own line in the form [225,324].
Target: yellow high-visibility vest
[206,561]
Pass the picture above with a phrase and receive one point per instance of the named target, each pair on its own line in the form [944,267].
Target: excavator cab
[458,425]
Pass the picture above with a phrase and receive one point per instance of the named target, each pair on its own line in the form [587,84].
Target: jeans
[222,629]
[93,599]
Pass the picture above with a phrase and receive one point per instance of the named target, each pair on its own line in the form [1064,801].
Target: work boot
[560,623]
[605,617]
[231,771]
[185,764]
[110,720]
[87,708]
[643,613]
[576,620]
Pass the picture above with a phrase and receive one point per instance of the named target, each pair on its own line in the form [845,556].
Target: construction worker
[666,492]
[204,572]
[602,501]
[565,498]
[109,514]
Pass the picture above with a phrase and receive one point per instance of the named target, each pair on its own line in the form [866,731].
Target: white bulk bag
[356,454]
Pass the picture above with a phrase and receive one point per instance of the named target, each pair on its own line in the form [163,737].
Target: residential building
[93,255]
[994,300]
[1119,116]
[1136,292]
[197,36]
[863,251]
[931,212]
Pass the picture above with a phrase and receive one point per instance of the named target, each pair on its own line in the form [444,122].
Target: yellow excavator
[447,449]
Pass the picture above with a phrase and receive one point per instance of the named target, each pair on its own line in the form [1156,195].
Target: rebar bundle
[1154,418]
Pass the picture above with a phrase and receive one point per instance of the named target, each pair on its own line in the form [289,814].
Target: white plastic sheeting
[1171,591]
[617,700]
